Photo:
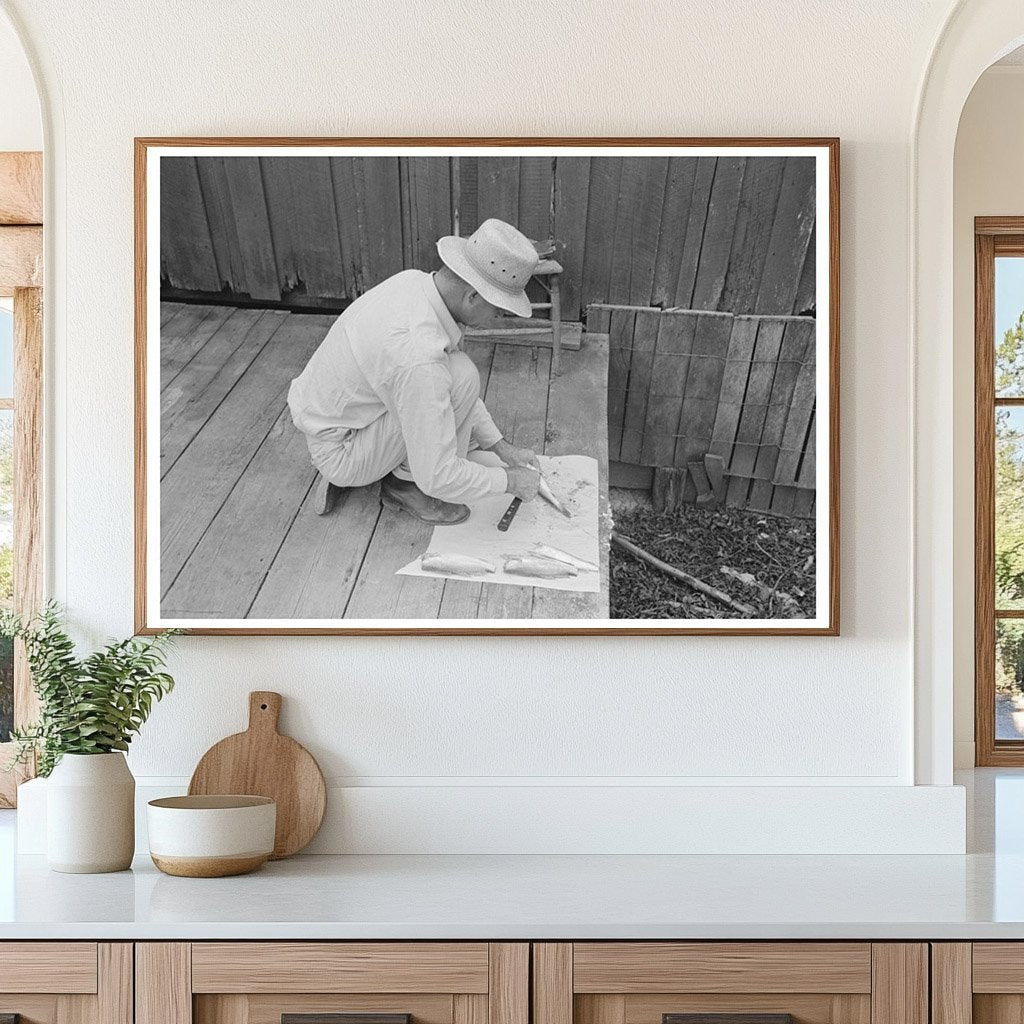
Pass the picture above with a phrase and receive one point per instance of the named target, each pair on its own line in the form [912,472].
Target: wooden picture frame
[227,261]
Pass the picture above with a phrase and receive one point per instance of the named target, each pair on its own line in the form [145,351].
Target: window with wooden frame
[999,490]
[21,363]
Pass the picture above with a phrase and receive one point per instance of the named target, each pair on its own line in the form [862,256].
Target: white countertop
[517,897]
[977,896]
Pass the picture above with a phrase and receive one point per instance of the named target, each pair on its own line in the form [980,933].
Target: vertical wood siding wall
[719,235]
[710,233]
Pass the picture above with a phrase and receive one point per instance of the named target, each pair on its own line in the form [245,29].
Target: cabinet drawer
[332,983]
[66,982]
[65,967]
[751,967]
[730,983]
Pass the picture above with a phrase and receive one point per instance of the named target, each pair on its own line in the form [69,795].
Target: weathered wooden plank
[675,215]
[601,214]
[792,232]
[220,216]
[430,207]
[806,477]
[225,570]
[669,370]
[804,502]
[177,351]
[380,195]
[169,310]
[576,412]
[517,399]
[634,423]
[252,226]
[535,184]
[207,380]
[648,229]
[315,569]
[759,197]
[703,384]
[620,343]
[21,188]
[806,302]
[734,388]
[755,407]
[798,336]
[304,225]
[460,601]
[689,258]
[800,410]
[201,479]
[719,229]
[186,249]
[631,197]
[352,229]
[379,593]
[498,188]
[572,188]
[466,198]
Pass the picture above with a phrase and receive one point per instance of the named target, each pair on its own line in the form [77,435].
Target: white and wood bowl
[211,836]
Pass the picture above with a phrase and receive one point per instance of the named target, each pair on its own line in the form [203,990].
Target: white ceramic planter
[90,814]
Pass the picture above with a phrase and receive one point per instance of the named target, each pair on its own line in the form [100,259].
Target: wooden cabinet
[977,983]
[758,982]
[66,982]
[305,982]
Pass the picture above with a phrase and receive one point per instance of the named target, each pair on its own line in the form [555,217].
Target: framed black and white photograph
[487,386]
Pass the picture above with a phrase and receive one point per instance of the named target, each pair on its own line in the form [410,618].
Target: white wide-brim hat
[497,260]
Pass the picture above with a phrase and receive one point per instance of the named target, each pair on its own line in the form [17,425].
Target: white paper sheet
[574,481]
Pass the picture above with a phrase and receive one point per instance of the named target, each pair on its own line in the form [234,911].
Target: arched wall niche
[976,34]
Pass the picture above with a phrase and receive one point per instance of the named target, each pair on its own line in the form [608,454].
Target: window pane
[1009,679]
[1009,316]
[6,353]
[6,566]
[1009,508]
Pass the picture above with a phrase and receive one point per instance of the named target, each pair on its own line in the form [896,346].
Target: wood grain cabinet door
[66,982]
[730,983]
[332,983]
[978,983]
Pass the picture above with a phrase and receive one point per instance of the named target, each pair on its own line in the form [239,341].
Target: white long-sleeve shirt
[388,353]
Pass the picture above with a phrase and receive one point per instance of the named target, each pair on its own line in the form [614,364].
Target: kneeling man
[390,396]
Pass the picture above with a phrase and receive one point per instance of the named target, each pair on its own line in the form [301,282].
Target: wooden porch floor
[239,538]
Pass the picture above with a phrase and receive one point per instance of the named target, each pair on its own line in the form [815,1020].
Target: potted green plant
[90,708]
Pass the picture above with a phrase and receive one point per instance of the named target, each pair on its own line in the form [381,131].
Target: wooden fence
[723,233]
[685,384]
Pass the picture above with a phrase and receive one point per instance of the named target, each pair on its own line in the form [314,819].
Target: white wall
[438,713]
[21,127]
[987,181]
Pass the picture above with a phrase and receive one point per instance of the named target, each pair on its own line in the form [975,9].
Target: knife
[510,513]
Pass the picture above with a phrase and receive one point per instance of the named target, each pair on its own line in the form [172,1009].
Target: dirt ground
[766,562]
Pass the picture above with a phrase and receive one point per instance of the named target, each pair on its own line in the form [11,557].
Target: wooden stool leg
[556,324]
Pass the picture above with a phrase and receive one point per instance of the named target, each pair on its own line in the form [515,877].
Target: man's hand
[523,482]
[516,457]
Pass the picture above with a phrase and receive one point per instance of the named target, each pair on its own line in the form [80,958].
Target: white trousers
[368,454]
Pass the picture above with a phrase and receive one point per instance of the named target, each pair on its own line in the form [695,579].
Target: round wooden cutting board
[262,762]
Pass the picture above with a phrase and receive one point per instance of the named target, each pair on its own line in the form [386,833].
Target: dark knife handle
[10,1018]
[510,513]
[346,1018]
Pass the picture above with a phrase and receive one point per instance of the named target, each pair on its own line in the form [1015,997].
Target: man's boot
[405,496]
[325,495]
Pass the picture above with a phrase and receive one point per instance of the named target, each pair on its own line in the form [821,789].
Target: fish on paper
[547,551]
[450,563]
[539,567]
